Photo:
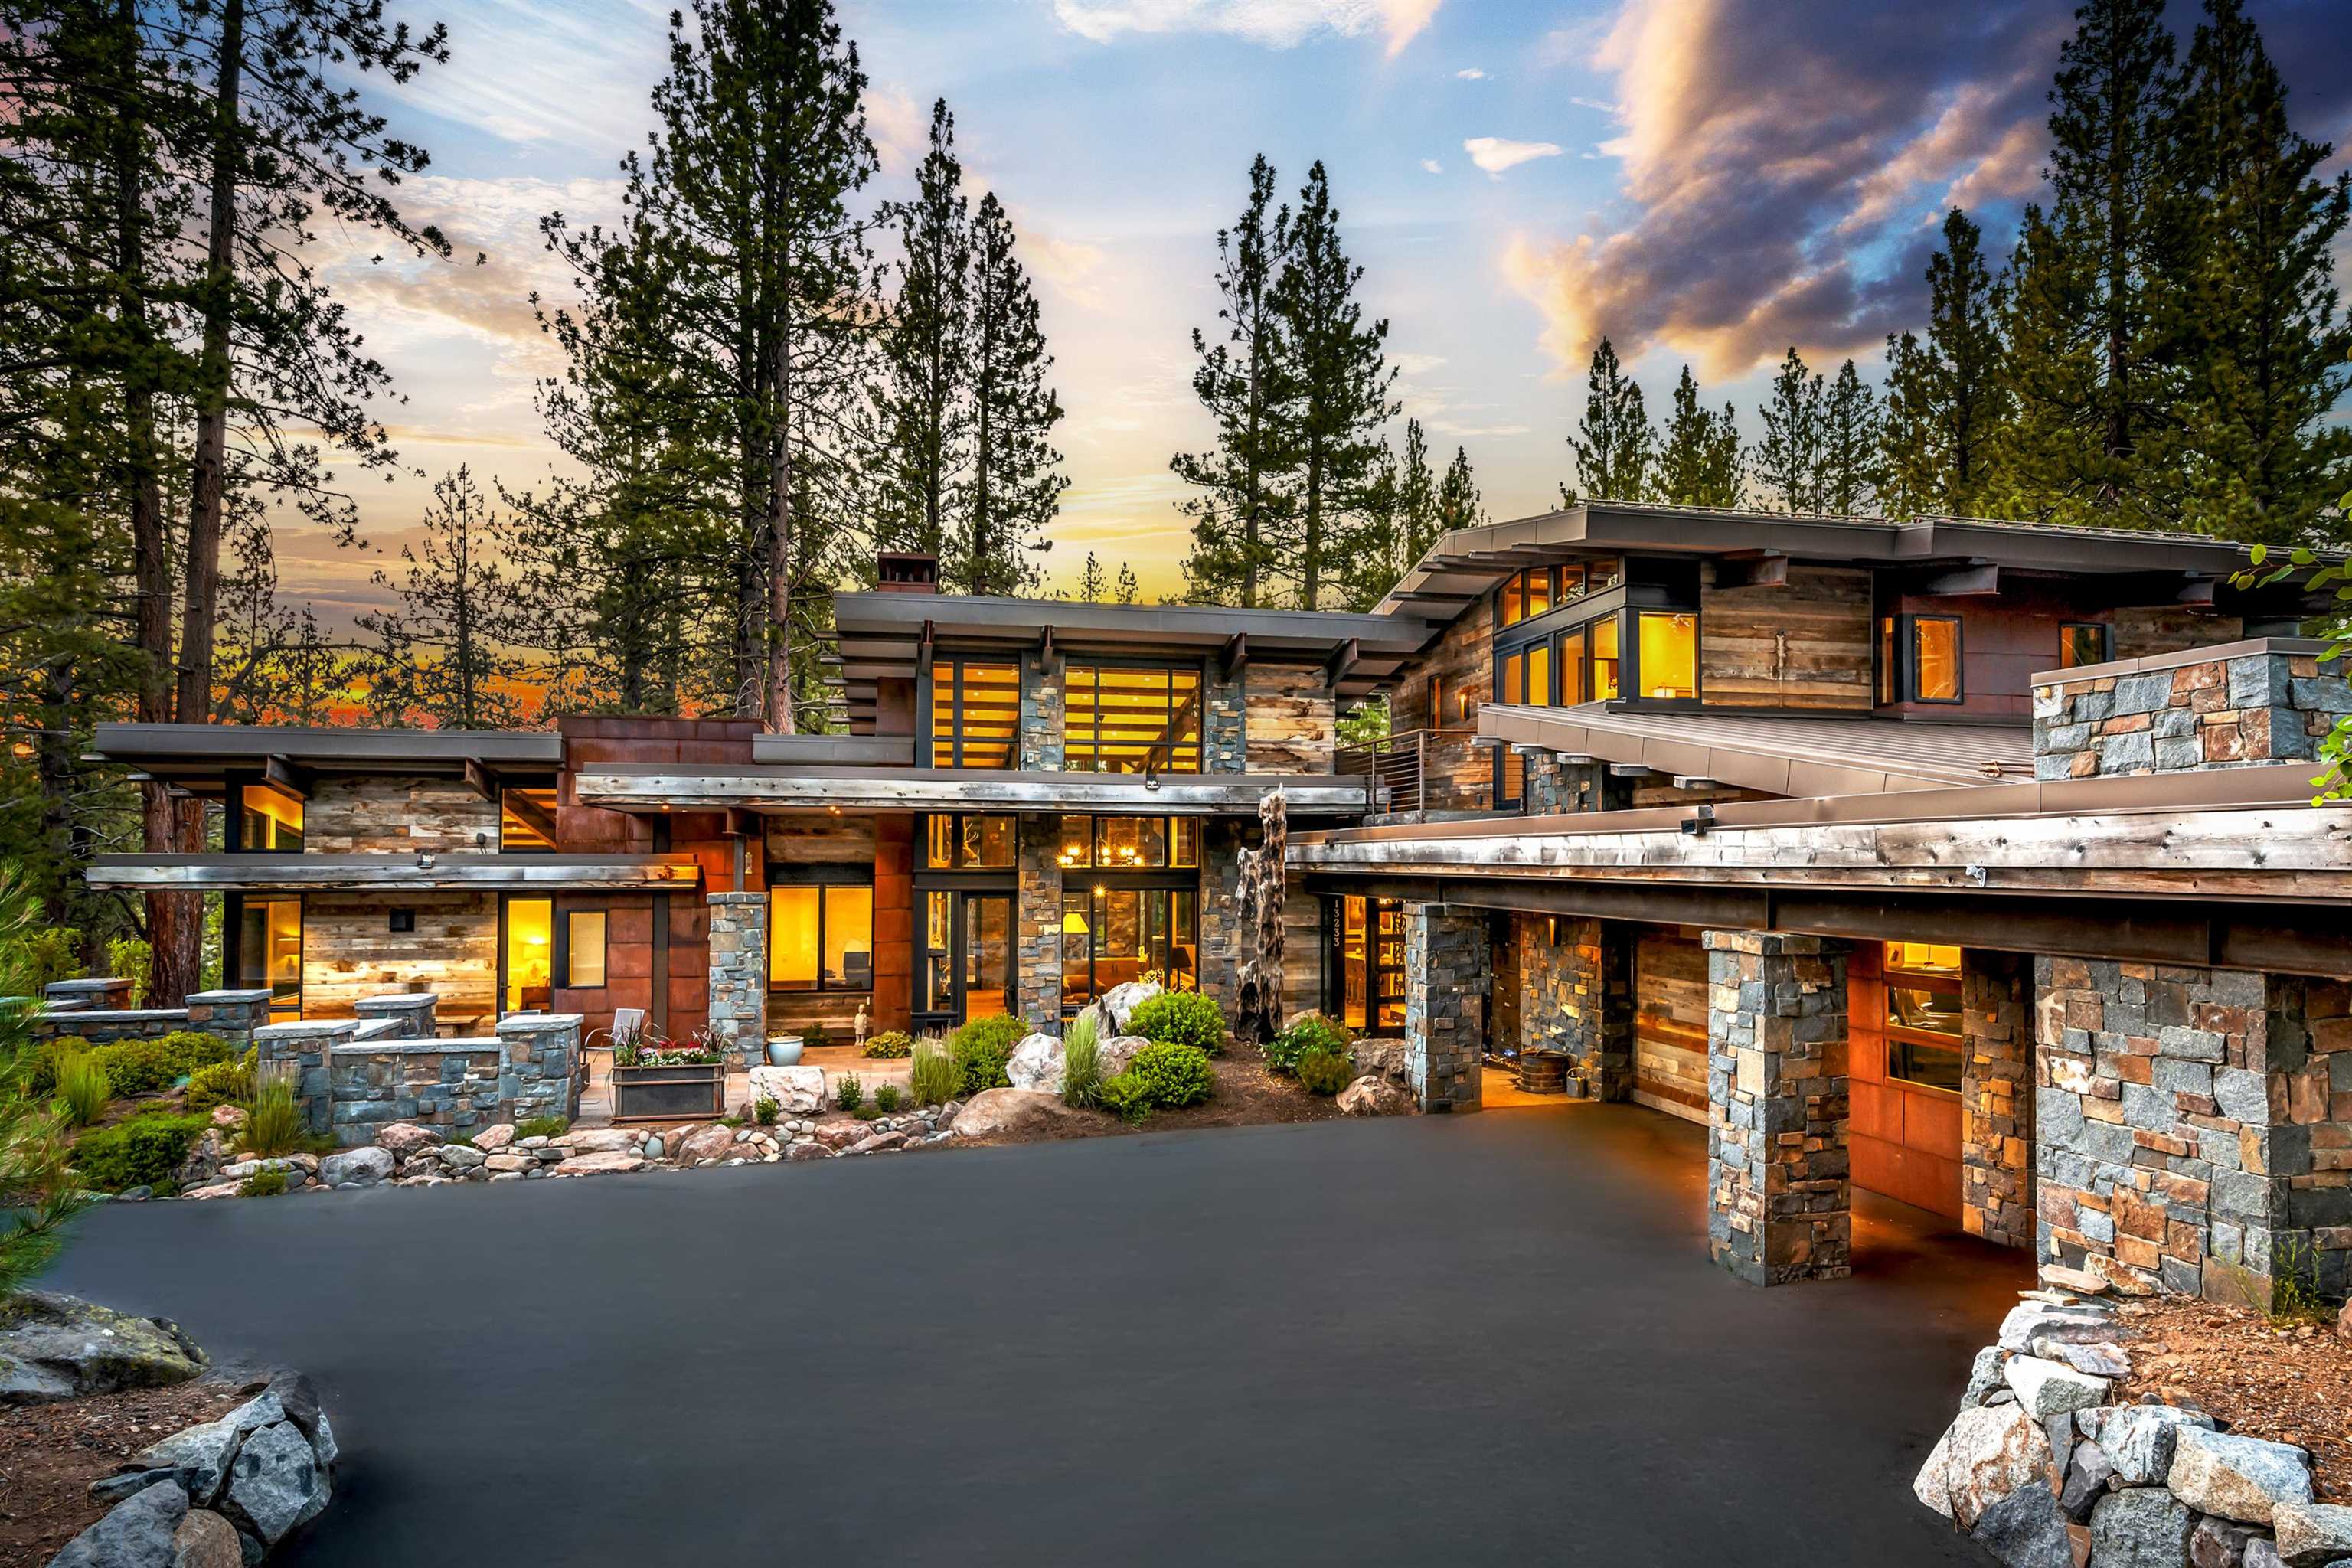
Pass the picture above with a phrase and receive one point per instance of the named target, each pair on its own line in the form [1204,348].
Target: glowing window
[821,938]
[530,956]
[1540,675]
[584,949]
[1936,658]
[269,951]
[2081,642]
[1923,1042]
[1604,660]
[975,714]
[1669,650]
[1122,719]
[270,820]
[1112,935]
[974,842]
[1572,669]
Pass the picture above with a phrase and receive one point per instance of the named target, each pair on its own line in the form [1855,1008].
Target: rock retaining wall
[232,1016]
[2237,705]
[739,974]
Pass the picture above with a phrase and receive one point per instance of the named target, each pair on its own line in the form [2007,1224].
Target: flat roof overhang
[196,756]
[393,873]
[654,787]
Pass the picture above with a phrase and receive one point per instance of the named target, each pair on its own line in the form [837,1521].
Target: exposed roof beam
[478,780]
[923,652]
[295,779]
[1629,771]
[1342,663]
[1766,569]
[1959,581]
[532,815]
[2197,591]
[1235,657]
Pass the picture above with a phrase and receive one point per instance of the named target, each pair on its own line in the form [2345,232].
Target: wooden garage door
[1670,1023]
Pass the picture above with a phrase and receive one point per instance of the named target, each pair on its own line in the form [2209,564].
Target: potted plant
[655,1079]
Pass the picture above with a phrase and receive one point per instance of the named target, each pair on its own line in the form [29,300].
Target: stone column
[414,1011]
[107,993]
[738,973]
[1778,1190]
[1224,730]
[1996,1097]
[300,1050]
[1447,979]
[1038,924]
[1042,710]
[231,1015]
[1576,995]
[1224,931]
[539,1065]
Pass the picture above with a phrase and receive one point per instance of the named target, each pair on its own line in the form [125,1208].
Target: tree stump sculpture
[1260,896]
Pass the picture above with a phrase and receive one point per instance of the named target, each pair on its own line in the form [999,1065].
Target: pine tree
[1015,484]
[1458,502]
[926,414]
[1376,545]
[1698,461]
[1090,581]
[2095,325]
[1416,499]
[1244,381]
[444,654]
[1848,463]
[1908,448]
[1970,398]
[1787,459]
[1613,442]
[2266,351]
[1340,381]
[1123,590]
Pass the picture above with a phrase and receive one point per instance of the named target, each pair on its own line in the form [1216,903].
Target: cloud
[900,127]
[1433,166]
[1774,178]
[1471,74]
[1276,24]
[1496,153]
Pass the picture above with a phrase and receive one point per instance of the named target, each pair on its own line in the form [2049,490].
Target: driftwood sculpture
[1260,896]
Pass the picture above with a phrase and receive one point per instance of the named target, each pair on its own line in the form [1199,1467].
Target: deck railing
[1412,772]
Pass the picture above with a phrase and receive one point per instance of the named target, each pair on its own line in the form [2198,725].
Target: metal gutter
[393,873]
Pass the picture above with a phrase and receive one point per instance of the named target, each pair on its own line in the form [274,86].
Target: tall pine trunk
[211,480]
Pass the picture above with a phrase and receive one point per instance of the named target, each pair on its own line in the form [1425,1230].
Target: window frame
[1094,860]
[2106,643]
[1898,637]
[1198,748]
[955,664]
[956,819]
[1892,977]
[506,943]
[824,877]
[1096,888]
[233,954]
[233,787]
[1960,658]
[560,967]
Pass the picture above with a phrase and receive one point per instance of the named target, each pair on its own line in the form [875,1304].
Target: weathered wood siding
[397,814]
[1289,720]
[1670,1023]
[2143,631]
[350,951]
[1302,953]
[1806,644]
[821,838]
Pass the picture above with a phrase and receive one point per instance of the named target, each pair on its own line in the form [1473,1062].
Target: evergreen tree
[1848,465]
[1788,460]
[1613,442]
[926,413]
[1416,499]
[1244,381]
[1699,462]
[1908,448]
[445,655]
[1458,502]
[1374,558]
[2096,327]
[1123,590]
[2265,357]
[1969,395]
[1090,581]
[1340,381]
[1015,484]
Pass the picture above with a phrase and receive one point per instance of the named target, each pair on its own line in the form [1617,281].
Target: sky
[1706,182]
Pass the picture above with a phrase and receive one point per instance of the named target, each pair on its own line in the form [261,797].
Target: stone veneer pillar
[539,1058]
[1220,913]
[1778,1194]
[1575,994]
[1038,924]
[232,1016]
[1446,977]
[415,1011]
[1996,1096]
[299,1050]
[1042,705]
[1224,730]
[738,973]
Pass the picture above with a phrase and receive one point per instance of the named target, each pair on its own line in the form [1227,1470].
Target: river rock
[490,1140]
[707,1145]
[403,1139]
[2219,1544]
[811,1150]
[2047,1388]
[2025,1529]
[205,1540]
[2311,1534]
[1037,1064]
[2137,1438]
[504,1163]
[61,1347]
[602,1162]
[878,1144]
[367,1165]
[2142,1526]
[597,1140]
[1374,1097]
[2242,1478]
[459,1157]
[135,1533]
[797,1090]
[276,1484]
[2031,1320]
[1021,1113]
[1983,1456]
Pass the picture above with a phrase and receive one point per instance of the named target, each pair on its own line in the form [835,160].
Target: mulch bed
[1247,1095]
[49,1454]
[2290,1385]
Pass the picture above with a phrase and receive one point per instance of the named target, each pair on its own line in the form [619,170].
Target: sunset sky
[1702,180]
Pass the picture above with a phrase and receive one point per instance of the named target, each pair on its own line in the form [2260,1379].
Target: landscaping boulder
[1114,1054]
[1375,1097]
[1383,1059]
[2242,1478]
[366,1166]
[403,1139]
[196,1460]
[797,1090]
[2026,1529]
[2140,1527]
[2031,1320]
[597,1139]
[1021,1113]
[1037,1064]
[135,1533]
[1120,1002]
[2311,1534]
[277,1483]
[878,1144]
[459,1156]
[505,1164]
[808,1152]
[57,1347]
[2219,1544]
[490,1140]
[2137,1438]
[1983,1456]
[2089,1471]
[704,1145]
[1984,1376]
[2047,1388]
[602,1162]
[205,1540]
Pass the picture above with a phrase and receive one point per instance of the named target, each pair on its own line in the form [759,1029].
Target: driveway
[1490,1338]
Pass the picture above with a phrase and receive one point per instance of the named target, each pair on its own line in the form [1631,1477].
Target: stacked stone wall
[1446,978]
[1043,698]
[2249,704]
[1997,1098]
[1037,921]
[1574,992]
[528,1069]
[739,974]
[229,1016]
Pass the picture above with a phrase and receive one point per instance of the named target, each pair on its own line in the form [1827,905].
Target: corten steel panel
[1877,1111]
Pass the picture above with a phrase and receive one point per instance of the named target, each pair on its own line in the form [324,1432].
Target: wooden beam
[1046,648]
[1235,657]
[1976,578]
[291,777]
[923,652]
[1684,781]
[530,813]
[1769,569]
[742,823]
[1343,661]
[478,780]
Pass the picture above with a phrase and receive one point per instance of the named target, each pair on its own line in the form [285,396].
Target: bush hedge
[981,1048]
[224,1083]
[1181,1018]
[1325,1072]
[1308,1032]
[1174,1075]
[141,1152]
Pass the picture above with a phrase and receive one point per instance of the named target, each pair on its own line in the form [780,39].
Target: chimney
[905,571]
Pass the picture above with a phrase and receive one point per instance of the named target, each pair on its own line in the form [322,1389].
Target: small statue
[862,1026]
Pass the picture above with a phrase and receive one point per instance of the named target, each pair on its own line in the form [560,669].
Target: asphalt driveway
[1490,1338]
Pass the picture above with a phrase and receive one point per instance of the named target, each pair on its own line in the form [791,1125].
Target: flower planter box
[669,1093]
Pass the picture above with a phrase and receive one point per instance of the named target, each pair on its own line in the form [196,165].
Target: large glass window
[1112,935]
[975,714]
[1572,668]
[269,952]
[1131,843]
[1120,719]
[1923,1013]
[524,818]
[584,949]
[2083,642]
[959,841]
[1369,954]
[1890,663]
[268,820]
[530,980]
[1605,660]
[1936,658]
[821,937]
[1669,650]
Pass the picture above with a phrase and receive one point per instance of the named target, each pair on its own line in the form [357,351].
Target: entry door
[968,957]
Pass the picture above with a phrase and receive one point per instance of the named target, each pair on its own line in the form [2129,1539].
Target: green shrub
[890,1045]
[142,1152]
[43,955]
[848,1091]
[275,1125]
[767,1111]
[1326,1072]
[814,1037]
[263,1184]
[140,1066]
[982,1046]
[869,1111]
[1181,1018]
[1124,1097]
[1308,1032]
[1082,1063]
[223,1083]
[1174,1075]
[886,1097]
[934,1075]
[130,958]
[82,1090]
[543,1127]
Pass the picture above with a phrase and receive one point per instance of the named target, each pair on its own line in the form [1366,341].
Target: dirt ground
[1247,1094]
[49,1454]
[2290,1385]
